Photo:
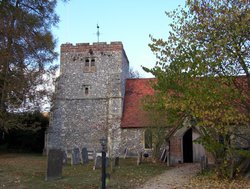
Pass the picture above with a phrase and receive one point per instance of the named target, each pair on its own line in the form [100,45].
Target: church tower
[89,96]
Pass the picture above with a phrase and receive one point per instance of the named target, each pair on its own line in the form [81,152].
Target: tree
[31,139]
[203,73]
[27,52]
[159,127]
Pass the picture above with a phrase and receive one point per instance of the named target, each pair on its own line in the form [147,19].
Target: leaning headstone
[85,158]
[116,161]
[75,156]
[163,155]
[65,158]
[54,164]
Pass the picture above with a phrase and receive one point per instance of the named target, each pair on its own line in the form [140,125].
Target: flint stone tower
[89,97]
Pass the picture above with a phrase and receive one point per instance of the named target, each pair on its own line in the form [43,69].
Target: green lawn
[28,171]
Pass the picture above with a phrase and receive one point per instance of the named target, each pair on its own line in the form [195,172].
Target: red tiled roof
[133,114]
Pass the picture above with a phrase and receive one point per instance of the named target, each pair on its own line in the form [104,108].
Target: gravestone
[117,162]
[91,154]
[65,158]
[75,156]
[98,162]
[69,153]
[107,161]
[85,158]
[139,158]
[164,156]
[54,164]
[203,163]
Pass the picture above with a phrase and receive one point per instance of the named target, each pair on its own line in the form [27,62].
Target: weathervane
[98,33]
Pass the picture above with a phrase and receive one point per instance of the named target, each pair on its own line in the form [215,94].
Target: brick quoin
[175,146]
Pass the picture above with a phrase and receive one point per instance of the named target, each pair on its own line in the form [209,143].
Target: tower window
[92,62]
[86,90]
[87,63]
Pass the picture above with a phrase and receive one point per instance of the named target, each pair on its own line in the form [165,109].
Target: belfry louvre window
[89,65]
[92,62]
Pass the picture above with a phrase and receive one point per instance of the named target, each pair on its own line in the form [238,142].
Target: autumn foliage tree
[203,73]
[27,52]
[157,128]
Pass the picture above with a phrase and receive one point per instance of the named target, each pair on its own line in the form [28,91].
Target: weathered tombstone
[85,158]
[54,164]
[91,154]
[65,158]
[69,154]
[204,163]
[75,156]
[139,158]
[107,161]
[145,155]
[125,153]
[69,151]
[98,162]
[117,162]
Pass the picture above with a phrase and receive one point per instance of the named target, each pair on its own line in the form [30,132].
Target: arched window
[148,139]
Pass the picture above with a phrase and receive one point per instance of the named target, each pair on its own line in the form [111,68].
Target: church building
[95,98]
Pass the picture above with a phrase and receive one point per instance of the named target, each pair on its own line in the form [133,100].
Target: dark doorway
[187,144]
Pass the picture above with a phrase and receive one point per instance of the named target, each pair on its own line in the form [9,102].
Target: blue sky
[128,21]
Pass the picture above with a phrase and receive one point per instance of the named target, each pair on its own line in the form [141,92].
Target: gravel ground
[174,178]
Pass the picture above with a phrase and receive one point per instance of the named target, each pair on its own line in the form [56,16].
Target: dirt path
[174,178]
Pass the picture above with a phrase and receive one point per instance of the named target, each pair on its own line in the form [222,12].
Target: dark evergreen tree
[27,51]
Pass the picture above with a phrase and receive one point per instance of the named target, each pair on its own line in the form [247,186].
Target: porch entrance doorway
[187,144]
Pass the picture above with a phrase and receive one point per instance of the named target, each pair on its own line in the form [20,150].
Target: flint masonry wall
[133,141]
[89,96]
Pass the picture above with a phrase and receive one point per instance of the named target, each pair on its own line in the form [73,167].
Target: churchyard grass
[28,171]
